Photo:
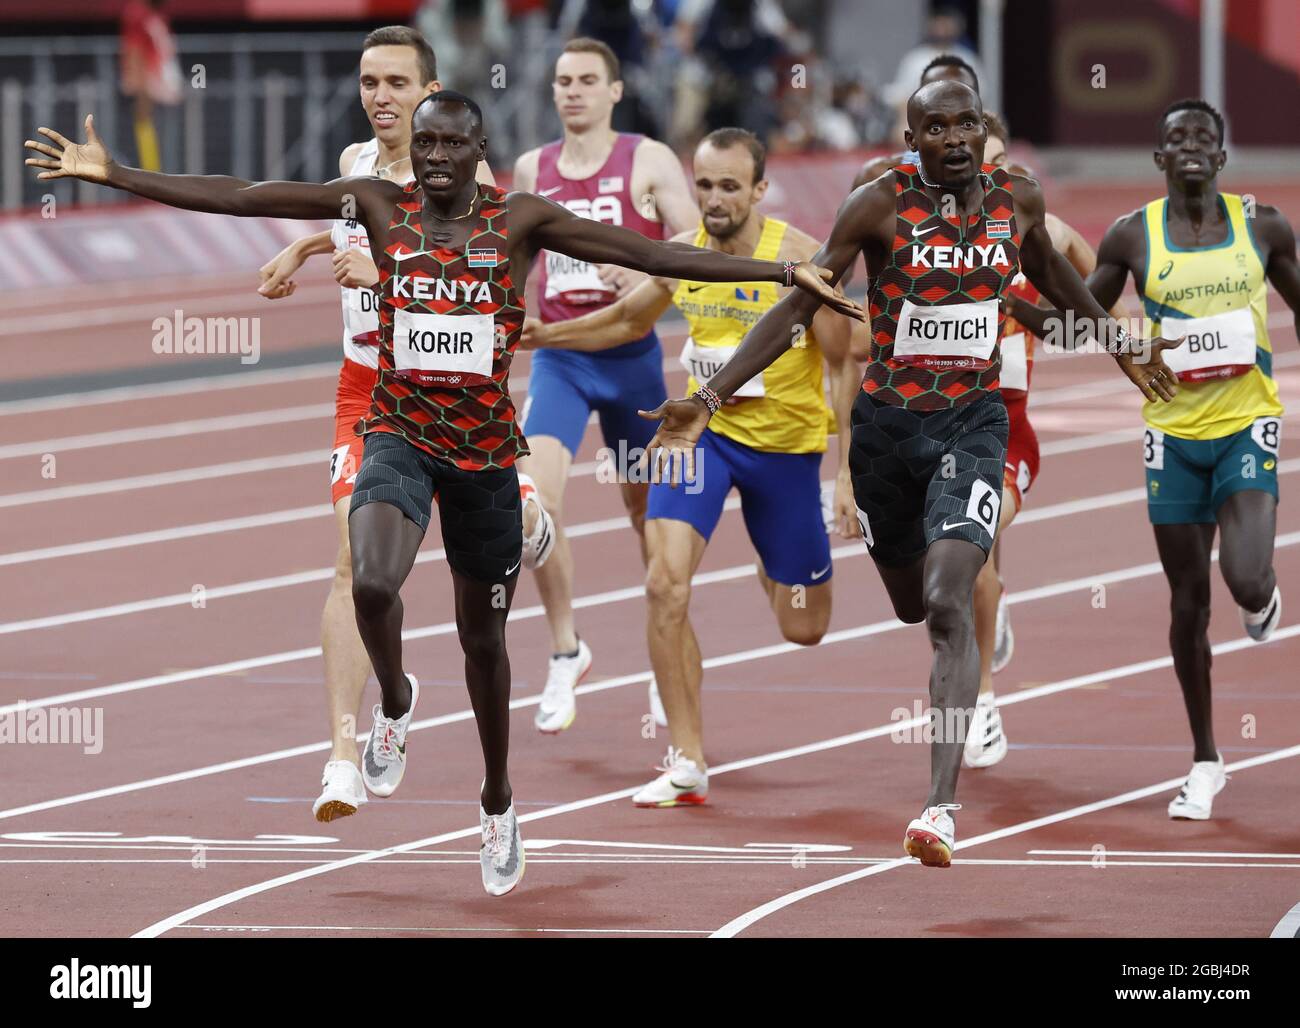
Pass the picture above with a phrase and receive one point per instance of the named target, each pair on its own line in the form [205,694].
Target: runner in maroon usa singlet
[943,241]
[453,256]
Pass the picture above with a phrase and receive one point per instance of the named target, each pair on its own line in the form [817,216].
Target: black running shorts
[482,519]
[920,476]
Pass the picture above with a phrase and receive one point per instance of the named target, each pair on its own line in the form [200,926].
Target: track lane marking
[207,906]
[746,920]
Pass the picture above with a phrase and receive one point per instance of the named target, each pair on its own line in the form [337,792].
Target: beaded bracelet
[711,399]
[788,269]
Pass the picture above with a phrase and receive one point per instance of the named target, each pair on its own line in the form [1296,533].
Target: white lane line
[1167,853]
[168,430]
[1289,926]
[181,387]
[159,478]
[746,920]
[576,470]
[1087,504]
[397,928]
[216,903]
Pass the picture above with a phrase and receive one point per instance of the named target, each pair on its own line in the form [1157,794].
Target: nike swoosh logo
[947,527]
[548,192]
[922,231]
[818,574]
[413,253]
[511,571]
[695,289]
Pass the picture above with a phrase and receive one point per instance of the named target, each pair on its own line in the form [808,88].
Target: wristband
[787,269]
[710,398]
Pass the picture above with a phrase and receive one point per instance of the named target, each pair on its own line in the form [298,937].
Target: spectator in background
[945,33]
[471,40]
[629,28]
[527,23]
[151,73]
[736,44]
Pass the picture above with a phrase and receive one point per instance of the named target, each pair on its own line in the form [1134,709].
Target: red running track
[194,818]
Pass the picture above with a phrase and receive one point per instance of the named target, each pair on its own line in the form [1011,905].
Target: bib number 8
[1267,433]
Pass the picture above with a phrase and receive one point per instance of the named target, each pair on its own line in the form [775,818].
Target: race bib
[706,361]
[443,349]
[361,316]
[1220,346]
[1015,364]
[1153,449]
[572,281]
[954,335]
[1267,433]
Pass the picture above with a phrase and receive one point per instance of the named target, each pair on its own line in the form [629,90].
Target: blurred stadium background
[267,89]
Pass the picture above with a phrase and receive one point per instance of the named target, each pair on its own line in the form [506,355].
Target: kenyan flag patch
[999,230]
[481,257]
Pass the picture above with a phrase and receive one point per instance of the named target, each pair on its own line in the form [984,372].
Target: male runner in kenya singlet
[930,427]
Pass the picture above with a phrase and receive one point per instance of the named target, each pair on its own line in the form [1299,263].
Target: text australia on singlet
[950,334]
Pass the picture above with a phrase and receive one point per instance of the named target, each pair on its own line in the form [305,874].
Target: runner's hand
[845,507]
[533,336]
[812,279]
[276,281]
[1148,371]
[621,280]
[681,423]
[354,269]
[63,158]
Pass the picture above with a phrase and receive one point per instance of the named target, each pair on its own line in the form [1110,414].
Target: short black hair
[952,61]
[726,138]
[450,96]
[1191,104]
[404,35]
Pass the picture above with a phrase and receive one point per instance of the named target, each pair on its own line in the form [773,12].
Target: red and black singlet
[449,323]
[936,313]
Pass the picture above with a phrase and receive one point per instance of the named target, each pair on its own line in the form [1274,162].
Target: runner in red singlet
[398,69]
[617,179]
[930,427]
[986,742]
[453,257]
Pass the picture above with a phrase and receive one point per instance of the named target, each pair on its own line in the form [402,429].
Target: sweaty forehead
[444,118]
[942,100]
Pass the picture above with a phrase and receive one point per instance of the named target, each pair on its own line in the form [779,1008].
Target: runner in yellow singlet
[767,443]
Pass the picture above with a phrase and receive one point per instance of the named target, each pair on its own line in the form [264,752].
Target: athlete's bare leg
[347,665]
[1185,553]
[988,590]
[803,612]
[1247,526]
[675,550]
[951,567]
[384,545]
[548,466]
[481,612]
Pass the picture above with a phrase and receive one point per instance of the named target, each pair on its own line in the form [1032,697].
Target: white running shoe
[1196,797]
[683,781]
[384,761]
[1005,641]
[501,856]
[657,706]
[1260,626]
[559,705]
[343,791]
[930,837]
[986,744]
[541,541]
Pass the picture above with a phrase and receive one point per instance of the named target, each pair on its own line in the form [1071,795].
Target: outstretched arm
[553,227]
[215,194]
[1060,283]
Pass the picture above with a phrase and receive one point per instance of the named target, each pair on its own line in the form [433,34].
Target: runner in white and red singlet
[617,179]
